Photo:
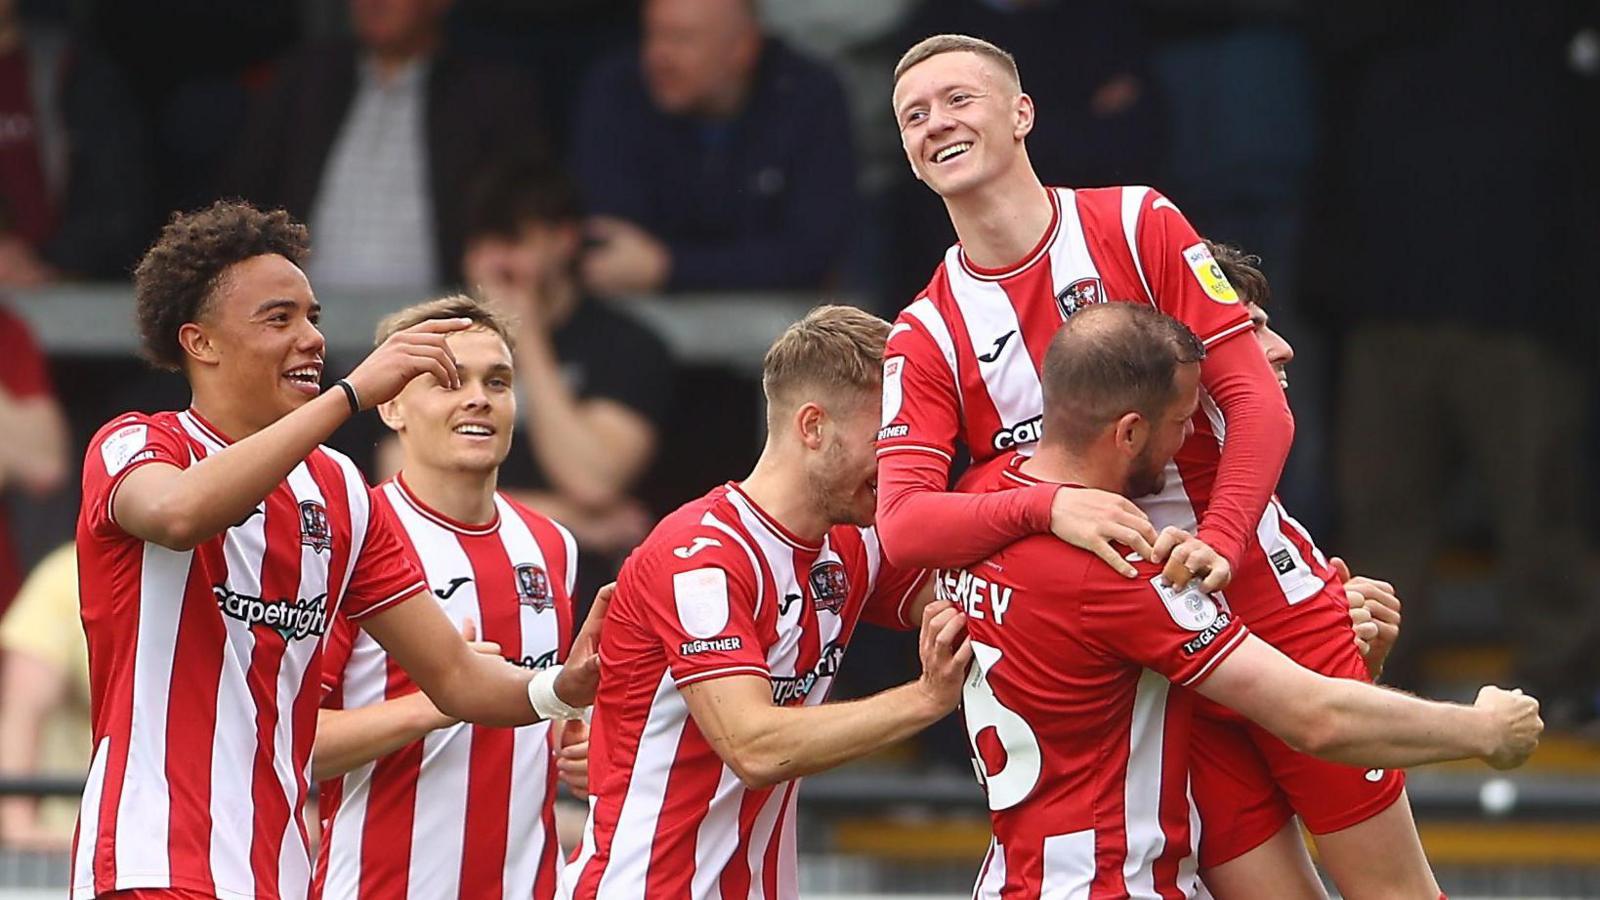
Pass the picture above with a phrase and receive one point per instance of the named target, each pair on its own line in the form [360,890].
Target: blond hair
[957,43]
[832,350]
[455,306]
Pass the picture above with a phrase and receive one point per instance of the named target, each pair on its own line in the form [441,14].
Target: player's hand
[1185,558]
[1093,520]
[946,651]
[1375,613]
[572,756]
[418,350]
[469,633]
[1516,725]
[580,676]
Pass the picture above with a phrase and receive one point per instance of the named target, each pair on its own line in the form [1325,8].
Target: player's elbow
[1315,727]
[756,770]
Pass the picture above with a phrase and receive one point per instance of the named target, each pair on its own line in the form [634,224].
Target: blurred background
[659,187]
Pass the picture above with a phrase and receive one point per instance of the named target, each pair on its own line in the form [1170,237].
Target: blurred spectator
[595,386]
[713,158]
[371,139]
[1097,119]
[44,701]
[1241,91]
[1452,258]
[33,456]
[73,185]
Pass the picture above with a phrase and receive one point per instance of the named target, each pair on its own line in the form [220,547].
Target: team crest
[1077,295]
[314,531]
[829,586]
[533,587]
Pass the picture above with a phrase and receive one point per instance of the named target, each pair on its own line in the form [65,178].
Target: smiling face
[463,430]
[962,121]
[257,338]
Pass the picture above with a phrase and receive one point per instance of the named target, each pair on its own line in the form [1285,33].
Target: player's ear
[390,413]
[197,345]
[809,420]
[1022,116]
[1131,433]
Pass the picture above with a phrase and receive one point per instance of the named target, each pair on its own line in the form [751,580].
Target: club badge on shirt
[533,587]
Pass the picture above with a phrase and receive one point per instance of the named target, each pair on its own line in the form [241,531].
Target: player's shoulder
[140,423]
[544,528]
[705,530]
[135,436]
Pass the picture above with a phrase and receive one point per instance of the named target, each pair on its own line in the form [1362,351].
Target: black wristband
[350,395]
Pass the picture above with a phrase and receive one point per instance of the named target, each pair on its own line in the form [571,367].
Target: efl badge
[314,531]
[1192,609]
[829,586]
[1079,294]
[533,587]
[1209,274]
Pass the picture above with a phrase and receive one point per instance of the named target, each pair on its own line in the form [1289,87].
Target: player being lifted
[1071,708]
[417,803]
[724,635]
[962,366]
[217,545]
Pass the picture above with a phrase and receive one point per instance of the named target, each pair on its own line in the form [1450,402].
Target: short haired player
[726,630]
[963,367]
[216,545]
[1079,706]
[417,803]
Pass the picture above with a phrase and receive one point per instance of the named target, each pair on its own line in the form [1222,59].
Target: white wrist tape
[542,694]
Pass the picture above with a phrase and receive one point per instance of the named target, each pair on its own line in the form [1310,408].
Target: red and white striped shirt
[963,362]
[204,668]
[467,811]
[718,588]
[1078,735]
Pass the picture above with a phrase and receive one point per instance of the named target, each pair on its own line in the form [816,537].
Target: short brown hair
[1243,271]
[833,349]
[957,43]
[455,306]
[1108,360]
[180,271]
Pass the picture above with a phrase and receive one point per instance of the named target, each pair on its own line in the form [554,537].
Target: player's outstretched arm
[1356,723]
[350,738]
[766,744]
[180,508]
[476,687]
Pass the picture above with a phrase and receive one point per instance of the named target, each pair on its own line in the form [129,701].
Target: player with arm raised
[416,803]
[726,630]
[962,367]
[1077,708]
[216,546]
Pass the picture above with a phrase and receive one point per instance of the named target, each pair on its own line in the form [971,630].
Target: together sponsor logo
[711,645]
[1203,639]
[292,619]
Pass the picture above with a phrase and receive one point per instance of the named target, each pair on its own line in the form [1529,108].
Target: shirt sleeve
[384,575]
[335,656]
[892,590]
[921,402]
[1185,281]
[703,605]
[122,446]
[1183,635]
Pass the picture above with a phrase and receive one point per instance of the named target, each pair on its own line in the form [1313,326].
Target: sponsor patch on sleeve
[893,396]
[121,446]
[1190,608]
[702,599]
[1209,274]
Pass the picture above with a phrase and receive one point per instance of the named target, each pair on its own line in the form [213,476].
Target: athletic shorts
[1248,784]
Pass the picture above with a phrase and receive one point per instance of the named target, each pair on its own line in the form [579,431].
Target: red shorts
[1248,784]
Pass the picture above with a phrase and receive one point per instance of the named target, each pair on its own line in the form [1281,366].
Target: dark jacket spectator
[758,194]
[474,112]
[73,185]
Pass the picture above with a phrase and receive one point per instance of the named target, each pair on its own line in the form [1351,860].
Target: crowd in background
[1418,180]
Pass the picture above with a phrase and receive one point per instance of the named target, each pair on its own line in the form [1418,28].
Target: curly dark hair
[179,272]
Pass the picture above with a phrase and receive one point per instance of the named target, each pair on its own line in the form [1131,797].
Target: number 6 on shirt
[1019,772]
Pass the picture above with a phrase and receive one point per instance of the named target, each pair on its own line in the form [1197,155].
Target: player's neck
[465,496]
[1001,223]
[1061,466]
[233,420]
[782,493]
